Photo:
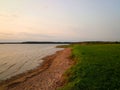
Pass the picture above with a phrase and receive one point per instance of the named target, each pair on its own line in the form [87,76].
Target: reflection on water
[17,58]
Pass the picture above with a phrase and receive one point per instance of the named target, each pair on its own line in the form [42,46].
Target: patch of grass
[97,68]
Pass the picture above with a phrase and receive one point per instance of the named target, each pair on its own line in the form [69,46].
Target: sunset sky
[59,20]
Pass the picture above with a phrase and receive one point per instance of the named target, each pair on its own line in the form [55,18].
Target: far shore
[52,68]
[50,42]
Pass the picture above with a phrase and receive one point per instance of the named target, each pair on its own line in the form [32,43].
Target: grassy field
[97,68]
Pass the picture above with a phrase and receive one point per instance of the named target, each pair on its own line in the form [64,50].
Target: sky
[59,20]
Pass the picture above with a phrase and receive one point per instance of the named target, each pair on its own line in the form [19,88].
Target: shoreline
[26,76]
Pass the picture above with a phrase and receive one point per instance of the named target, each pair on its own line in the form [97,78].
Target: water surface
[18,58]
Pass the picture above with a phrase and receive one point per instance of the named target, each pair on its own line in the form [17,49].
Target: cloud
[27,34]
[5,34]
[8,15]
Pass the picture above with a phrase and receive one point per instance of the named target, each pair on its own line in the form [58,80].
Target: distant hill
[35,42]
[49,42]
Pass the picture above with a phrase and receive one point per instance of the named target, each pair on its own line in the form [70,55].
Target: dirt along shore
[48,76]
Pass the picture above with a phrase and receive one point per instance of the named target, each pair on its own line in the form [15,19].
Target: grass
[97,68]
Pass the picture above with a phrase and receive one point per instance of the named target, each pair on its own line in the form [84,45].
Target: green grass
[97,68]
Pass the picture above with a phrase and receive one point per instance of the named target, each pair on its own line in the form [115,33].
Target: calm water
[16,59]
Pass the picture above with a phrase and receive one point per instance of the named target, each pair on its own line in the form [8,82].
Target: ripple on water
[16,59]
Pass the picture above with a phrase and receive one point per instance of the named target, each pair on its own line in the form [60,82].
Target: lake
[18,58]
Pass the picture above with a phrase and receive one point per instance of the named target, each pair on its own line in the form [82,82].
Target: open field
[97,67]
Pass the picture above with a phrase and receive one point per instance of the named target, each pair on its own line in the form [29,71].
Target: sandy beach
[48,76]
